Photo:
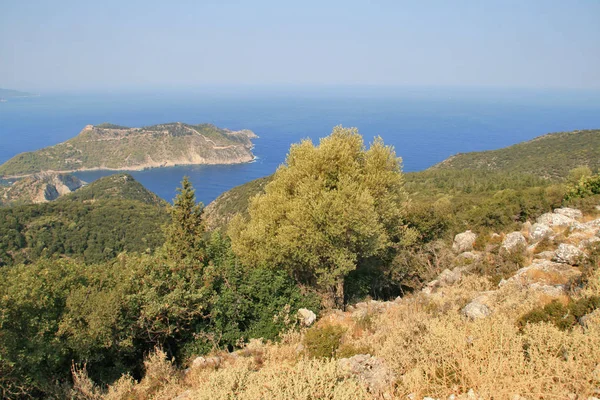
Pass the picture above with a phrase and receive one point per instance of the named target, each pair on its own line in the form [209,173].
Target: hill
[549,156]
[93,224]
[118,186]
[8,93]
[38,188]
[114,147]
[468,179]
[220,211]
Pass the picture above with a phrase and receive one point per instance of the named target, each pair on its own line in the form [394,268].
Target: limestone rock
[553,219]
[540,232]
[513,241]
[306,317]
[476,310]
[545,272]
[448,277]
[464,242]
[203,362]
[568,254]
[544,255]
[369,370]
[584,244]
[569,212]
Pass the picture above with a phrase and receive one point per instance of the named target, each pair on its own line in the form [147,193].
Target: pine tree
[184,235]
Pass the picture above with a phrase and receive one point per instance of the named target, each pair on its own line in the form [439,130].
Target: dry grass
[429,346]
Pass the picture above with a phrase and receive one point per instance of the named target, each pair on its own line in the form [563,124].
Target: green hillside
[117,186]
[549,156]
[473,182]
[114,147]
[93,224]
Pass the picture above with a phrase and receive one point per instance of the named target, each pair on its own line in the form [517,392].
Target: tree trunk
[339,294]
[334,296]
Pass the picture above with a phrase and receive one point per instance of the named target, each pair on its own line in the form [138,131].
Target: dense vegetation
[549,156]
[94,224]
[109,146]
[98,279]
[117,186]
[189,297]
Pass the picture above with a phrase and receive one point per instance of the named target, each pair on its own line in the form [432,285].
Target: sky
[120,44]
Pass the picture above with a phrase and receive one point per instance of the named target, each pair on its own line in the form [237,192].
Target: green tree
[184,235]
[326,210]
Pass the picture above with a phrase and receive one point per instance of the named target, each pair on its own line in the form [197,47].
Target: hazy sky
[110,44]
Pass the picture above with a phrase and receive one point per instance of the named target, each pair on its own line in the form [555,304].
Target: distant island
[114,147]
[6,94]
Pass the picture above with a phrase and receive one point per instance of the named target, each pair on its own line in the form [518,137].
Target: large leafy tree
[326,210]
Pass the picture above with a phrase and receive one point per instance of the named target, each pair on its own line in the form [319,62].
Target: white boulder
[568,254]
[553,219]
[476,310]
[569,212]
[513,241]
[306,317]
[540,232]
[464,242]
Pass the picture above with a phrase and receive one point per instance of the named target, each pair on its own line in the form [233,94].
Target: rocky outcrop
[568,254]
[446,278]
[540,232]
[569,212]
[544,273]
[513,242]
[464,242]
[553,219]
[370,371]
[39,188]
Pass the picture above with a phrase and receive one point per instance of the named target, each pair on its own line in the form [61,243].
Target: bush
[323,342]
[562,316]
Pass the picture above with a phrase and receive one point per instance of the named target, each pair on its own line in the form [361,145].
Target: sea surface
[425,125]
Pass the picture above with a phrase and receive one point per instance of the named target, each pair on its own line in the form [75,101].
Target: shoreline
[132,168]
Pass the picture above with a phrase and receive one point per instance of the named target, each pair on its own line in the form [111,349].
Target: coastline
[142,167]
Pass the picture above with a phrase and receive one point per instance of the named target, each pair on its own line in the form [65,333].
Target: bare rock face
[446,278]
[513,241]
[476,310]
[540,232]
[545,273]
[569,212]
[464,242]
[369,370]
[568,254]
[306,317]
[587,228]
[544,255]
[553,219]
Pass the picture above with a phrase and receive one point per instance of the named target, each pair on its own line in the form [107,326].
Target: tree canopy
[327,209]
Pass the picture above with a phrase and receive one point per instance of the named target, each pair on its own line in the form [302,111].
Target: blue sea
[425,125]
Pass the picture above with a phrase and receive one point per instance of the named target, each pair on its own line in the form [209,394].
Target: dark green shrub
[562,316]
[323,342]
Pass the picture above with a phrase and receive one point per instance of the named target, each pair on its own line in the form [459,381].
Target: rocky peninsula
[113,147]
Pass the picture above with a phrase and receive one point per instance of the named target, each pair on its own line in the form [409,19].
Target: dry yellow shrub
[429,346]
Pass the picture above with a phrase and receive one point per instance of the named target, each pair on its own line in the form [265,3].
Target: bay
[425,125]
